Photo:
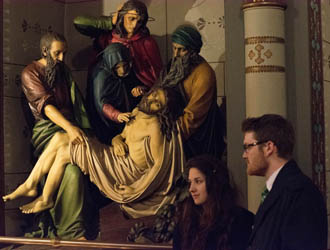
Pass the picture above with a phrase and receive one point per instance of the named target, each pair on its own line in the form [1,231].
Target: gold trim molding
[264,69]
[263,39]
[262,3]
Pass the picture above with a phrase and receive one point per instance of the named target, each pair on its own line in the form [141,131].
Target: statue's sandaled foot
[22,190]
[36,206]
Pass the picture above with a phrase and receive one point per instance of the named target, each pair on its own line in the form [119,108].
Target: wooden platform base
[114,226]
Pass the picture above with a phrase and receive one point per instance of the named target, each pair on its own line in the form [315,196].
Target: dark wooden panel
[2,185]
[115,226]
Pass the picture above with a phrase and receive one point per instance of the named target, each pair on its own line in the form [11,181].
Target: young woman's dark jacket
[239,232]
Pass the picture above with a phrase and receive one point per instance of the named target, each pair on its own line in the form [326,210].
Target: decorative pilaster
[317,97]
[264,68]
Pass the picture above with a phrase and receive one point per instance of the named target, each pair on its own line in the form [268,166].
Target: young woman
[210,217]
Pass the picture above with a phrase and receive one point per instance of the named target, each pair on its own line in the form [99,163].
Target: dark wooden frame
[317,103]
[2,178]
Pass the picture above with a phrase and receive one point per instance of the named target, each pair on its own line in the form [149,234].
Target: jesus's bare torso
[135,133]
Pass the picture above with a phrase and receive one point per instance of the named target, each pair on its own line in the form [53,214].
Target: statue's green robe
[66,219]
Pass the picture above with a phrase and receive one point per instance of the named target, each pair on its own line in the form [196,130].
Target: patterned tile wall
[325,19]
[23,24]
[79,46]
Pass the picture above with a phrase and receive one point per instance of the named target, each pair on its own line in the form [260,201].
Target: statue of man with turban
[202,123]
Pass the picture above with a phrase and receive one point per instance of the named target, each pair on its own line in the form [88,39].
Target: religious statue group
[131,135]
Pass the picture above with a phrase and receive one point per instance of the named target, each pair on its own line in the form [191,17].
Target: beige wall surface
[298,81]
[235,92]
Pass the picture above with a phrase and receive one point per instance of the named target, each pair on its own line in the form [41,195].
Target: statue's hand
[119,147]
[115,15]
[75,135]
[139,90]
[124,117]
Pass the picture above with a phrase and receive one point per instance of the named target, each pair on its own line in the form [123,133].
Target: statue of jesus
[139,170]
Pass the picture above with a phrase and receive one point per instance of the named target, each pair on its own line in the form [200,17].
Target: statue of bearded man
[202,124]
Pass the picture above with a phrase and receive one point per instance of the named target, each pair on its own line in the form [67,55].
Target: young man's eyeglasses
[247,146]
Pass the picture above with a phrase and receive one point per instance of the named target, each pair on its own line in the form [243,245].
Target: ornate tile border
[317,99]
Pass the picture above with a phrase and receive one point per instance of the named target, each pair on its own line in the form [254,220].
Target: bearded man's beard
[54,71]
[181,67]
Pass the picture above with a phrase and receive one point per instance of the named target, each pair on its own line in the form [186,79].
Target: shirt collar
[271,179]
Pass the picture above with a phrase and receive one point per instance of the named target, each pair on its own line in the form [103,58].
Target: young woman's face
[197,186]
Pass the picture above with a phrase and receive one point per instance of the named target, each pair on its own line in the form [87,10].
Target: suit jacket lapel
[263,208]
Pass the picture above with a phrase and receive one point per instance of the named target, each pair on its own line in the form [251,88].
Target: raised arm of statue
[93,26]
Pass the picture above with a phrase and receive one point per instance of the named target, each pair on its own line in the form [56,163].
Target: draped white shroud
[141,191]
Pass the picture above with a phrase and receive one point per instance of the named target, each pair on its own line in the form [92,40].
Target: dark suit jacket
[293,216]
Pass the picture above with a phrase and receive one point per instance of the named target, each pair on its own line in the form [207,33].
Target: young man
[139,170]
[201,124]
[293,214]
[56,105]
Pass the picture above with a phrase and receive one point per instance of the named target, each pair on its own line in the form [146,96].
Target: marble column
[264,37]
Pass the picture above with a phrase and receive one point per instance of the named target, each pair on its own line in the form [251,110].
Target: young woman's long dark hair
[196,222]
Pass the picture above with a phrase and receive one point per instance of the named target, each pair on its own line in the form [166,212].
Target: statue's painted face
[54,57]
[179,50]
[132,22]
[122,69]
[154,102]
[58,50]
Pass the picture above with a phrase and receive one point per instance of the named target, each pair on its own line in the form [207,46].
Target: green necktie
[264,194]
